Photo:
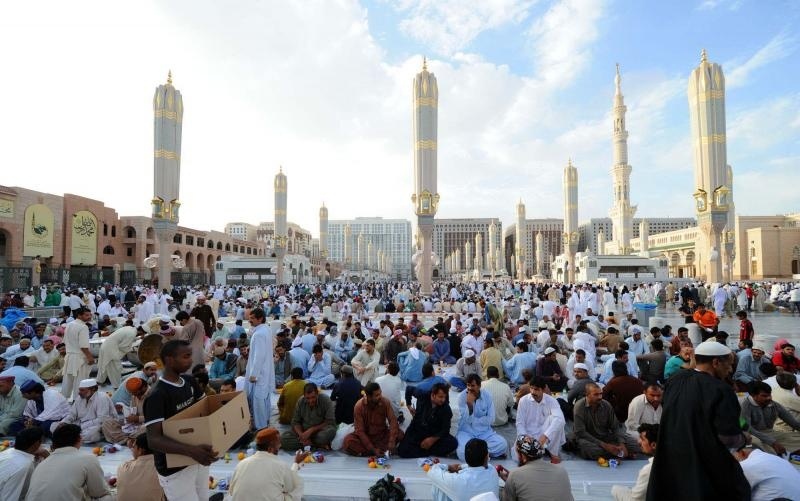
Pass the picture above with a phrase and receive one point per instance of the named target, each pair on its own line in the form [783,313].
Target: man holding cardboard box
[173,393]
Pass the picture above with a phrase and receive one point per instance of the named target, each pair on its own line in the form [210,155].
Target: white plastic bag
[344,430]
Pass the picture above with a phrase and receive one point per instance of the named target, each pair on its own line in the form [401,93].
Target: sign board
[37,234]
[6,208]
[234,277]
[84,239]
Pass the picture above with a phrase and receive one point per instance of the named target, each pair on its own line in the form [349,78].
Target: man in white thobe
[78,359]
[260,371]
[89,411]
[540,416]
[115,346]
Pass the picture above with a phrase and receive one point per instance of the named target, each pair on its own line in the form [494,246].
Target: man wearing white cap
[701,421]
[115,346]
[89,411]
[298,356]
[78,360]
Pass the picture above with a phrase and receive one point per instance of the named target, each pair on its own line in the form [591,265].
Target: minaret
[570,236]
[601,243]
[622,211]
[426,195]
[167,124]
[369,264]
[522,241]
[712,186]
[348,246]
[491,258]
[360,251]
[644,235]
[323,242]
[539,242]
[730,231]
[281,234]
[470,264]
[479,253]
[500,255]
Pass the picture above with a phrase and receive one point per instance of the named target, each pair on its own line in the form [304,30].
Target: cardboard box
[218,420]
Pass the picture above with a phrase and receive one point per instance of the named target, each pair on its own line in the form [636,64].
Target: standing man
[171,394]
[193,332]
[205,314]
[78,360]
[260,373]
[701,419]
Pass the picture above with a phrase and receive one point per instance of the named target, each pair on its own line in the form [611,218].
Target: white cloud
[764,125]
[779,47]
[562,39]
[732,5]
[448,26]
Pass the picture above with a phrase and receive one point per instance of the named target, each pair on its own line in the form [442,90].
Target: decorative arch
[108,250]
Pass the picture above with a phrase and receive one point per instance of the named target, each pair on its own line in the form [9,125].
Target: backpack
[387,489]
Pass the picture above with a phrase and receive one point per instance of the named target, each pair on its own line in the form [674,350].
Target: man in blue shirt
[477,415]
[319,368]
[441,350]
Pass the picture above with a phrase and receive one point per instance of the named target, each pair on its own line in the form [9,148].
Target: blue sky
[324,88]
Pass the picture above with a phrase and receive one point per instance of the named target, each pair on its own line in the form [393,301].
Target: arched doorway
[5,247]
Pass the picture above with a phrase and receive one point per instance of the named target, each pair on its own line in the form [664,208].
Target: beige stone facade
[124,241]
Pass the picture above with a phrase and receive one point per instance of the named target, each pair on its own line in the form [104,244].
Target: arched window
[108,250]
[114,230]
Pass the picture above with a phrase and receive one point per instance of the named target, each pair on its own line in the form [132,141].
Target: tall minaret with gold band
[622,211]
[167,124]
[570,236]
[281,235]
[323,242]
[522,241]
[712,184]
[426,196]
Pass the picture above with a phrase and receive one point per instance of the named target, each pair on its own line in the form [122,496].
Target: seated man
[411,363]
[490,357]
[651,365]
[477,415]
[44,407]
[298,356]
[137,477]
[129,421]
[579,381]
[376,430]
[770,477]
[21,372]
[502,396]
[292,391]
[648,436]
[596,431]
[51,372]
[784,392]
[346,393]
[69,473]
[223,365]
[748,368]
[535,479]
[522,359]
[429,378]
[319,368]
[608,373]
[461,482]
[313,423]
[89,411]
[429,431]
[441,350]
[683,360]
[644,409]
[343,347]
[539,415]
[621,390]
[465,366]
[366,362]
[17,464]
[579,357]
[548,369]
[12,404]
[760,412]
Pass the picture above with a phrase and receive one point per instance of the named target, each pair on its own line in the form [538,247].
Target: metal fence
[13,278]
[188,278]
[80,277]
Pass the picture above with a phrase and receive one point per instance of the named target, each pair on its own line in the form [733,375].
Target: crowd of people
[370,369]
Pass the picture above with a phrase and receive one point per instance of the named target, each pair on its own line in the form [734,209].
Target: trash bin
[644,311]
